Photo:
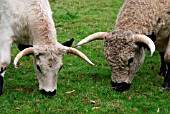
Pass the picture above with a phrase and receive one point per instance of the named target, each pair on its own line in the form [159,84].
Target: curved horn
[95,36]
[78,53]
[21,54]
[146,40]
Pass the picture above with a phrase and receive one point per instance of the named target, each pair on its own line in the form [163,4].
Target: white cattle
[29,22]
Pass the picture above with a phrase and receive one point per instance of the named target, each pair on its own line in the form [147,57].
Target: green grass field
[78,19]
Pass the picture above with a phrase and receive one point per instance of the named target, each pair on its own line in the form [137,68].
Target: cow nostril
[48,93]
[123,86]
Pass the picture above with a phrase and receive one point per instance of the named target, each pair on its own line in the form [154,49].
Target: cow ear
[22,47]
[152,36]
[68,43]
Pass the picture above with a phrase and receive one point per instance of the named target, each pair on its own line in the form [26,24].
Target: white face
[47,65]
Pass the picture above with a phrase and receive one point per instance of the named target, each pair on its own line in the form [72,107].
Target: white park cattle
[29,22]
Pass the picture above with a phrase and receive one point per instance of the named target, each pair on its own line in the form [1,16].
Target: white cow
[29,22]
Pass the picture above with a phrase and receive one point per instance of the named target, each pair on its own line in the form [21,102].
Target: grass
[77,19]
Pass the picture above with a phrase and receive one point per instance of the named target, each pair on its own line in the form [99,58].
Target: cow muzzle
[123,86]
[49,93]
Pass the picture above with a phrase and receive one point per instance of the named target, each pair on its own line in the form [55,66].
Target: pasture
[90,85]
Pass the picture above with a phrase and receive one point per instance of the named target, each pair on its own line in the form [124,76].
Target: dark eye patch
[130,61]
[39,69]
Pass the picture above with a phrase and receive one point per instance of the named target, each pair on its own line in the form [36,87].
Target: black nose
[123,86]
[48,93]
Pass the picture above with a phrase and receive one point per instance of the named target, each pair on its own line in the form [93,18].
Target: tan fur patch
[4,64]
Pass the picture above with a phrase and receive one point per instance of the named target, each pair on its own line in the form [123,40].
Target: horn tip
[15,63]
[15,66]
[88,60]
[152,54]
[75,46]
[152,51]
[78,46]
[92,64]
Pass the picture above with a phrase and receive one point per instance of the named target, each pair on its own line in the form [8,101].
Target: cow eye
[130,61]
[38,67]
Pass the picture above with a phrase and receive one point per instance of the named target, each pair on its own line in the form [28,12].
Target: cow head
[124,52]
[47,63]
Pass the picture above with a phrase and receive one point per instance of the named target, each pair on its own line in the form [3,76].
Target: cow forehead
[48,56]
[115,47]
[48,50]
[119,41]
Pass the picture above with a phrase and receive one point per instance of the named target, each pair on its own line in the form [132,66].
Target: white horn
[145,39]
[78,53]
[21,54]
[95,36]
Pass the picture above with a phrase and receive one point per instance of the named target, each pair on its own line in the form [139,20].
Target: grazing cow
[29,24]
[139,23]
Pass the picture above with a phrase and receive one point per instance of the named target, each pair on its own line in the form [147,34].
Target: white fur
[27,22]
